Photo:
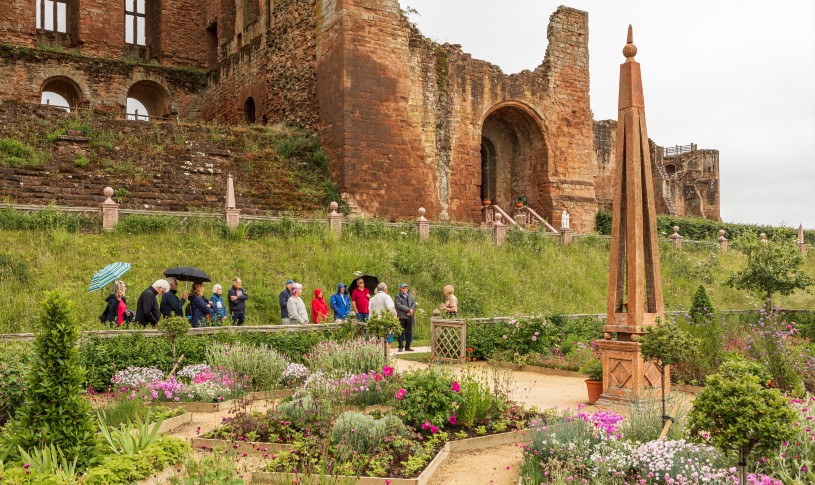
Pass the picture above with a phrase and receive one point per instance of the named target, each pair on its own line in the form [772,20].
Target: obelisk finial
[630,50]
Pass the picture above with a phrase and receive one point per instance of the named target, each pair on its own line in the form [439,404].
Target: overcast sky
[734,75]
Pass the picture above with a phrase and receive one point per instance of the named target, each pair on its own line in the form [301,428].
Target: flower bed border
[162,476]
[550,371]
[216,407]
[252,448]
[170,424]
[477,443]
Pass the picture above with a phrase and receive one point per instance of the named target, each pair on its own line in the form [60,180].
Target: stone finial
[499,229]
[422,212]
[630,50]
[721,234]
[108,192]
[763,237]
[722,240]
[423,225]
[676,230]
[335,220]
[676,237]
[801,234]
[333,206]
[499,219]
[230,192]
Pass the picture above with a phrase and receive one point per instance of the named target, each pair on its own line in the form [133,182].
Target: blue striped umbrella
[108,274]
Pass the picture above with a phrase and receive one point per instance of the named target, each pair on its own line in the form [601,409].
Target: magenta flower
[387,371]
[426,424]
[400,394]
[434,429]
[455,387]
[453,420]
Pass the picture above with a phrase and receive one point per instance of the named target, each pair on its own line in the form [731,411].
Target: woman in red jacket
[319,308]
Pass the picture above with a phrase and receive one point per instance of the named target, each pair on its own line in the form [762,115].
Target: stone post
[110,211]
[802,246]
[722,240]
[423,225]
[676,238]
[566,233]
[335,220]
[763,238]
[487,216]
[233,215]
[521,216]
[499,230]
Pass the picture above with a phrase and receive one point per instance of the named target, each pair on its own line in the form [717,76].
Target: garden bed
[164,476]
[441,456]
[254,448]
[549,371]
[201,407]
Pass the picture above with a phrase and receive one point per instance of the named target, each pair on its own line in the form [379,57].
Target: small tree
[701,310]
[773,266]
[54,411]
[383,324]
[174,328]
[734,411]
[667,344]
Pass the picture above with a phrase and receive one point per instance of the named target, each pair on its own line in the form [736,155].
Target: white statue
[564,220]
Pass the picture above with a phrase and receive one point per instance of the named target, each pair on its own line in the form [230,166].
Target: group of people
[199,310]
[202,311]
[359,303]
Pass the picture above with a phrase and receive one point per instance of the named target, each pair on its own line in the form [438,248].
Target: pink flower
[455,387]
[387,371]
[534,338]
[434,429]
[400,394]
[426,424]
[378,377]
[453,420]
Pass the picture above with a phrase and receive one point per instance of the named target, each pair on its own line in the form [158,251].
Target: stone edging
[176,421]
[686,388]
[253,448]
[477,443]
[538,369]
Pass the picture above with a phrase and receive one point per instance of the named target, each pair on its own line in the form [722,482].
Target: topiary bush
[54,410]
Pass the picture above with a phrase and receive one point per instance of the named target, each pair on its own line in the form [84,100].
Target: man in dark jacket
[147,311]
[284,301]
[406,311]
[237,302]
[170,304]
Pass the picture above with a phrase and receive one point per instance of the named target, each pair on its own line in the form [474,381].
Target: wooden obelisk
[635,279]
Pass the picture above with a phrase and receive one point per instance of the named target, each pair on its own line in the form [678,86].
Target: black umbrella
[370,283]
[187,273]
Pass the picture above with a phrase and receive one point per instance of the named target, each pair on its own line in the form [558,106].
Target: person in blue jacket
[340,302]
[217,302]
[201,309]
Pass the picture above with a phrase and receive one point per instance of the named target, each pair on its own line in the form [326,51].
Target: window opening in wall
[147,100]
[212,47]
[135,22]
[52,15]
[136,111]
[670,169]
[61,92]
[249,110]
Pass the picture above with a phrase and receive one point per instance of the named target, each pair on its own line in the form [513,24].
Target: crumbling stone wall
[685,185]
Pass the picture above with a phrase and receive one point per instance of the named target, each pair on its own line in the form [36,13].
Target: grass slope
[524,276]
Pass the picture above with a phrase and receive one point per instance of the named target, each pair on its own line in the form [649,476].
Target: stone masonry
[405,122]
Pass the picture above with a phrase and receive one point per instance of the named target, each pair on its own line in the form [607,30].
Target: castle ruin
[404,121]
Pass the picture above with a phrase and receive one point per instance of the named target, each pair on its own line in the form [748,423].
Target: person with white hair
[171,306]
[382,302]
[217,302]
[296,307]
[237,301]
[147,310]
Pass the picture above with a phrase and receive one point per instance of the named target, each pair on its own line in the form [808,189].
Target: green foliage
[701,307]
[383,324]
[263,364]
[667,344]
[360,433]
[645,421]
[12,380]
[17,154]
[530,335]
[593,368]
[122,408]
[772,267]
[139,224]
[734,411]
[428,397]
[173,328]
[483,396]
[45,220]
[51,460]
[125,469]
[54,411]
[81,161]
[130,439]
[352,357]
[701,229]
[212,469]
[13,268]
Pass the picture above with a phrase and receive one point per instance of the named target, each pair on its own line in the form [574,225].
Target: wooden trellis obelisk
[635,279]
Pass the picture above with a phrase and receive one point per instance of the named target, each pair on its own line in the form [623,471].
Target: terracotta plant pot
[595,389]
[519,204]
[486,202]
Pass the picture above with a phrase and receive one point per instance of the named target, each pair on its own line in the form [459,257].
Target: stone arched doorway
[513,157]
[146,100]
[61,92]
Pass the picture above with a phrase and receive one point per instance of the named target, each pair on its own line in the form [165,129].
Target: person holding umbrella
[202,310]
[237,302]
[147,311]
[170,304]
[116,312]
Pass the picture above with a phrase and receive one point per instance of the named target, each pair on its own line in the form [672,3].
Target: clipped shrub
[351,357]
[360,433]
[54,410]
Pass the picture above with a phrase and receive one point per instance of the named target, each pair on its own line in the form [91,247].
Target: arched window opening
[249,110]
[61,92]
[147,100]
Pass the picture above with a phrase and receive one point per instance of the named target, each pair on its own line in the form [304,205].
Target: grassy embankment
[528,276]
